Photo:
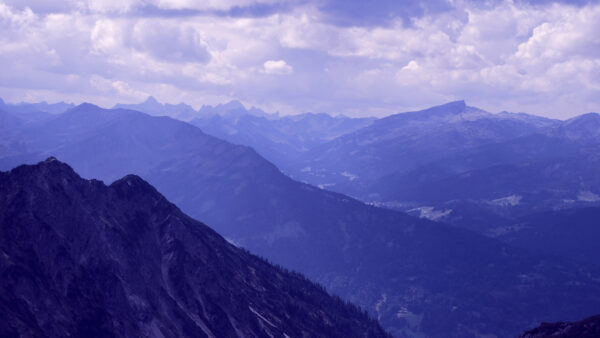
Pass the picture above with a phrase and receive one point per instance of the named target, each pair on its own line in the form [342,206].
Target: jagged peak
[152,100]
[49,160]
[234,104]
[50,169]
[55,163]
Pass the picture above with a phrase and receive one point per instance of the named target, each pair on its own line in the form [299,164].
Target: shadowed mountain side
[571,233]
[587,328]
[84,259]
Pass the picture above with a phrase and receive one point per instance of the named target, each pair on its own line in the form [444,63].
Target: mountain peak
[454,107]
[151,100]
[457,103]
[234,104]
[49,160]
[444,111]
[585,118]
[44,172]
[85,106]
[582,127]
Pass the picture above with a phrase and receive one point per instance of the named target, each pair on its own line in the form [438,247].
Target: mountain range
[463,165]
[280,140]
[29,110]
[185,112]
[417,277]
[83,259]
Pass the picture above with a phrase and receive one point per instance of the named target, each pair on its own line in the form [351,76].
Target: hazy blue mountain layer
[280,140]
[35,109]
[463,165]
[415,276]
[179,111]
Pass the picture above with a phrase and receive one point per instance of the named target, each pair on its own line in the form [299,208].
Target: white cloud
[207,4]
[279,67]
[544,59]
[412,65]
[15,19]
[106,36]
[170,41]
[112,6]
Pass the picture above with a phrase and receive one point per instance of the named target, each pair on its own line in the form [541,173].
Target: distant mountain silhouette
[185,112]
[83,259]
[232,109]
[179,111]
[415,276]
[280,140]
[35,110]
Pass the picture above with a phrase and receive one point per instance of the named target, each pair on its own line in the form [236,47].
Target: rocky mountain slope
[79,258]
[587,328]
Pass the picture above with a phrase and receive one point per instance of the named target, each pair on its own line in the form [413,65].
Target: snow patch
[306,169]
[588,196]
[231,241]
[350,176]
[508,201]
[431,213]
[261,316]
[414,320]
[504,230]
[378,305]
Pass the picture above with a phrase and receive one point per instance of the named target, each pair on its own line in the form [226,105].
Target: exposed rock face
[587,328]
[84,259]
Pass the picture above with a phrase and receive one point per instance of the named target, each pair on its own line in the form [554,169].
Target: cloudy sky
[355,57]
